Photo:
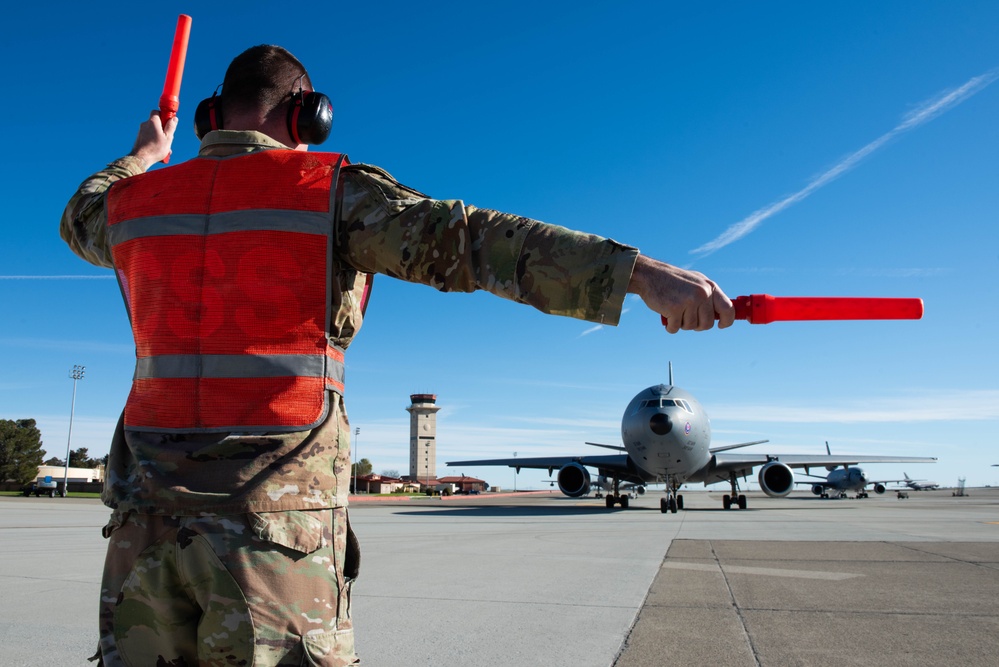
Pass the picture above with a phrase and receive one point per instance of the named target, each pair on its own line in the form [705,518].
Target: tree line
[21,452]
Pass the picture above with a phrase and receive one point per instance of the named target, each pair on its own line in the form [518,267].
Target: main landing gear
[736,498]
[616,497]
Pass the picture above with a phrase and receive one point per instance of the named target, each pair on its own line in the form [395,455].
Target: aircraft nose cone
[660,424]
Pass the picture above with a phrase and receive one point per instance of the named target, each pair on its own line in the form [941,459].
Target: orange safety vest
[225,265]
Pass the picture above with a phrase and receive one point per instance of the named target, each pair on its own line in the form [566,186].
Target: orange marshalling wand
[170,99]
[763,308]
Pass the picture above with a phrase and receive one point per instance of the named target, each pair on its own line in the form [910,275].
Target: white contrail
[925,112]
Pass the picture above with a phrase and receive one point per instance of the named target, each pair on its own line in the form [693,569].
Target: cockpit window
[666,403]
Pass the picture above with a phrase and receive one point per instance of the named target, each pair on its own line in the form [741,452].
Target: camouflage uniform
[236,530]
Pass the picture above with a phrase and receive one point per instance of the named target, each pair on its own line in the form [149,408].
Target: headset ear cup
[208,116]
[310,118]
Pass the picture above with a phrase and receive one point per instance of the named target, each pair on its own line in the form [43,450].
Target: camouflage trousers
[263,589]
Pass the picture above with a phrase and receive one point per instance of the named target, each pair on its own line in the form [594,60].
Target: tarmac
[539,579]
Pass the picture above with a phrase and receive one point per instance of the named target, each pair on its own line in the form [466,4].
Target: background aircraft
[919,484]
[666,437]
[845,479]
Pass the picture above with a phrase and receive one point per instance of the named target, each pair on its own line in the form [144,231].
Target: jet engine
[574,480]
[817,489]
[776,479]
[879,488]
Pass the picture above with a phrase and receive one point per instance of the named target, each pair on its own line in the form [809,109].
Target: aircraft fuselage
[666,433]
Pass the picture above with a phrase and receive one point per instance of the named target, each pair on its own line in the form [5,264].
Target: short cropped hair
[261,79]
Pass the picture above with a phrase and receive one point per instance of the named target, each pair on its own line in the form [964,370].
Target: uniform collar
[233,142]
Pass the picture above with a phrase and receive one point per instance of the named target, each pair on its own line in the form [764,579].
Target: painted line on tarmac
[766,571]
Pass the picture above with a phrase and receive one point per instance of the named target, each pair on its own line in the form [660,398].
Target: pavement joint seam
[738,610]
[985,565]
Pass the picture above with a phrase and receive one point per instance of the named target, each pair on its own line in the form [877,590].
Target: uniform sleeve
[84,221]
[390,229]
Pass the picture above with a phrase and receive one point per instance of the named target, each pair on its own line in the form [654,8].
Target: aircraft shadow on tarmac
[518,510]
[579,509]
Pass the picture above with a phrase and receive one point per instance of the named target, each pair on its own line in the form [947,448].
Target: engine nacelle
[879,488]
[574,480]
[818,489]
[776,479]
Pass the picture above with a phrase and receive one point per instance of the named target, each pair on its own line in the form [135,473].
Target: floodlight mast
[76,374]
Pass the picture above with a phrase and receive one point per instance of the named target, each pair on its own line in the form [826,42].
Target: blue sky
[825,148]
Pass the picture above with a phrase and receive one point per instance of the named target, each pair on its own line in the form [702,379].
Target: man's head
[267,89]
[260,82]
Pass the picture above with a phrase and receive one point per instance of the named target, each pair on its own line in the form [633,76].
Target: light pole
[357,465]
[76,373]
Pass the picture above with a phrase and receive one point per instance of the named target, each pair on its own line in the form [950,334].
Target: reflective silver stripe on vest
[267,220]
[239,366]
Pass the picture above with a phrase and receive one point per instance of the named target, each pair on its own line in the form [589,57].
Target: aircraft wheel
[726,501]
[742,501]
[679,502]
[672,505]
[624,501]
[609,500]
[663,505]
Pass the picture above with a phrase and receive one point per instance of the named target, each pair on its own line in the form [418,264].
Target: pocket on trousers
[298,530]
[116,521]
[330,649]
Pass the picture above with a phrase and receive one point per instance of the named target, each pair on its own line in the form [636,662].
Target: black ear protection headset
[310,116]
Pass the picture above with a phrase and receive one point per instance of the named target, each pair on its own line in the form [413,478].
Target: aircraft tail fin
[671,373]
[725,448]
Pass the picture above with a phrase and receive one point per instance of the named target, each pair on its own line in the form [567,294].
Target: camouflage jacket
[384,227]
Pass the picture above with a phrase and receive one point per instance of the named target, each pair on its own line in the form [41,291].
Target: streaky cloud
[923,113]
[970,405]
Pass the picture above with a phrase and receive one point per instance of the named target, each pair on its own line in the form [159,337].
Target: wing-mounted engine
[776,479]
[879,488]
[574,480]
[818,489]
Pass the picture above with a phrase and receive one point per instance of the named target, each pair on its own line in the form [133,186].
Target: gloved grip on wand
[763,308]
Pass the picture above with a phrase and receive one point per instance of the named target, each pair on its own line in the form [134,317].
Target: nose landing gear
[673,501]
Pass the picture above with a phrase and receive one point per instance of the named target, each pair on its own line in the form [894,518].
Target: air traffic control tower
[423,436]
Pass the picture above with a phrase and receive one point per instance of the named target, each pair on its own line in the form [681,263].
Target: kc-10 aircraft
[919,484]
[847,478]
[666,437]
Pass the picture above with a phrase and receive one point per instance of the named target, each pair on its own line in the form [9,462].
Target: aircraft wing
[611,464]
[724,463]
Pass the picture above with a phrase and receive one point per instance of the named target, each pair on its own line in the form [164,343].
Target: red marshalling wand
[170,99]
[763,308]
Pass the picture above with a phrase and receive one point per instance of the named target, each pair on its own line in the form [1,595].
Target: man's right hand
[687,299]
[154,141]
